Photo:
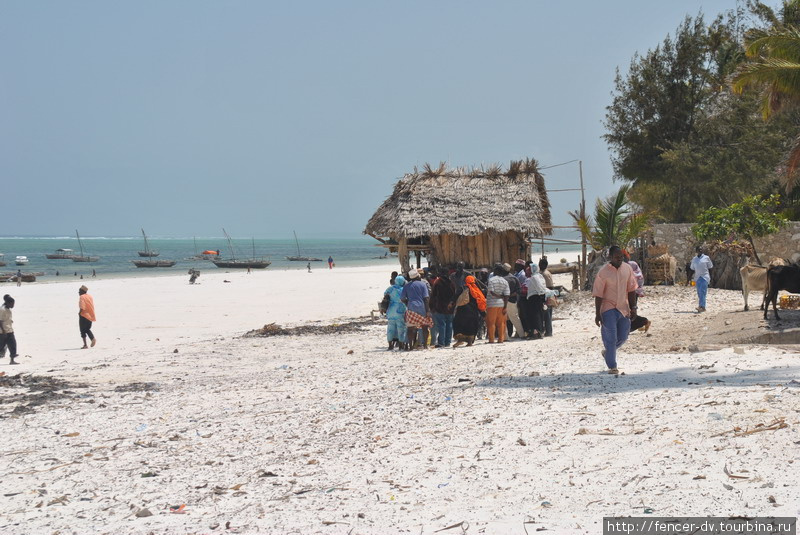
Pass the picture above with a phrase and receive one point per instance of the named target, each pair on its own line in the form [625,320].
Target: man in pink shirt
[614,294]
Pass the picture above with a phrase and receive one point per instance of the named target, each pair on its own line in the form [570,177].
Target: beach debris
[144,512]
[727,487]
[649,510]
[149,474]
[137,387]
[175,350]
[273,329]
[350,352]
[733,476]
[178,509]
[463,525]
[521,442]
[699,477]
[262,473]
[70,435]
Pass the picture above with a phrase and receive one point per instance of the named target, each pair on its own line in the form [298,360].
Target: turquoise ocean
[116,254]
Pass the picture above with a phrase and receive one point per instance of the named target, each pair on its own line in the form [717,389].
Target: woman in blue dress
[395,313]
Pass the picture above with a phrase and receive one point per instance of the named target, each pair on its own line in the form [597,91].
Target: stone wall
[678,237]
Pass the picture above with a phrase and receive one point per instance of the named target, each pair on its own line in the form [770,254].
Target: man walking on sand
[86,316]
[701,264]
[614,294]
[330,262]
[7,338]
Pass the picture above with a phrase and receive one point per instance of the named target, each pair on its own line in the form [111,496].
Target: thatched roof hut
[479,216]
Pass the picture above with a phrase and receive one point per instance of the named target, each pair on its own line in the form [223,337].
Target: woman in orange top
[86,316]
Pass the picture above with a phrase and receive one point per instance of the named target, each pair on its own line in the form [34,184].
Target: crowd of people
[441,307]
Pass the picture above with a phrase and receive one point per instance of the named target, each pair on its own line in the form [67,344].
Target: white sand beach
[177,417]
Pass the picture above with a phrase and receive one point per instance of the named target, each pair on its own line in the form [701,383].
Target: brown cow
[754,279]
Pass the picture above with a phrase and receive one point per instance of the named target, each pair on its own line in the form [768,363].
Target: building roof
[465,202]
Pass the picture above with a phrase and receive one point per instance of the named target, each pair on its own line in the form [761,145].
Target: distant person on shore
[701,264]
[468,316]
[395,314]
[614,294]
[7,338]
[330,262]
[94,274]
[86,315]
[19,278]
[416,297]
[193,274]
[308,266]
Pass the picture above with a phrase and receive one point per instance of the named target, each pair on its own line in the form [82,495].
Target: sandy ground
[333,434]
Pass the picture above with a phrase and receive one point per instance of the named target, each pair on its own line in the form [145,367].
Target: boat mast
[146,247]
[230,245]
[297,242]
[79,242]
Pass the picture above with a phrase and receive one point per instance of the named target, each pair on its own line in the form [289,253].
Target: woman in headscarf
[468,316]
[639,322]
[534,310]
[395,313]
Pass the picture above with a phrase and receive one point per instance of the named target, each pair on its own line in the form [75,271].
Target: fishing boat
[233,262]
[21,260]
[148,253]
[2,262]
[299,258]
[208,254]
[82,257]
[61,254]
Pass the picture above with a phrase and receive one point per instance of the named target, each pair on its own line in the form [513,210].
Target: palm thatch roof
[465,202]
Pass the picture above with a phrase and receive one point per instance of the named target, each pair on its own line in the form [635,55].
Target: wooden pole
[583,238]
[402,254]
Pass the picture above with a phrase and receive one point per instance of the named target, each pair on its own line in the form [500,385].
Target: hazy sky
[264,117]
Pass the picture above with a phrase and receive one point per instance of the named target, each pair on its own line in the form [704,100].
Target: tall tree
[774,69]
[680,136]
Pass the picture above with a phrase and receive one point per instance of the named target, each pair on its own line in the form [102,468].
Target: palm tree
[775,69]
[615,222]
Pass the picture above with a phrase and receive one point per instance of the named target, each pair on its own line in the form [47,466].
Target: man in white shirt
[701,264]
[497,296]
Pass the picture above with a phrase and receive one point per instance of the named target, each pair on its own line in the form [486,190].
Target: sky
[265,117]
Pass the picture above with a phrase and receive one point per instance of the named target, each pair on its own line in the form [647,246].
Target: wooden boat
[208,254]
[2,262]
[299,258]
[241,263]
[148,253]
[82,258]
[61,254]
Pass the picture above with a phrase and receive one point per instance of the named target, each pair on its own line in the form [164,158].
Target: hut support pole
[402,254]
[583,238]
[418,254]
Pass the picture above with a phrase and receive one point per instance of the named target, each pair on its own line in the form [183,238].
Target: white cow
[754,279]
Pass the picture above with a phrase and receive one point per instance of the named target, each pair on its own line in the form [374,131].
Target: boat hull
[302,259]
[242,264]
[148,253]
[153,263]
[56,256]
[85,258]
